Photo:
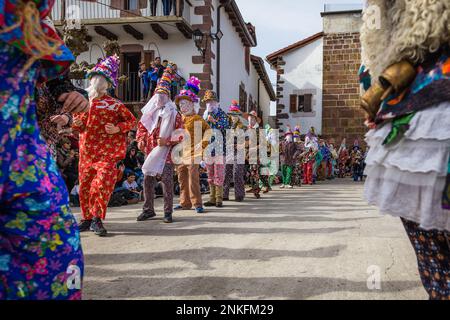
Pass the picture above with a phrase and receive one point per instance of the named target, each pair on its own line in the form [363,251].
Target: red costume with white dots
[100,152]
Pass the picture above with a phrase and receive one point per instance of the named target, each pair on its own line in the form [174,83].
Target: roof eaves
[300,44]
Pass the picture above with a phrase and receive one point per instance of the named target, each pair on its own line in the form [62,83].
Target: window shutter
[308,103]
[246,101]
[143,4]
[247,59]
[293,103]
[149,56]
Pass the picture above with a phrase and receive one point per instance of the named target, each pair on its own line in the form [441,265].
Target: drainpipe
[259,91]
[218,47]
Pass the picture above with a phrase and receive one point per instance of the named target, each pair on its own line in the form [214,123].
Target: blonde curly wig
[408,30]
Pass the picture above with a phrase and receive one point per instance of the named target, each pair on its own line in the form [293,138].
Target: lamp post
[201,38]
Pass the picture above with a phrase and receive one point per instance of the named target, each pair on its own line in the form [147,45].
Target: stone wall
[282,113]
[342,115]
[206,11]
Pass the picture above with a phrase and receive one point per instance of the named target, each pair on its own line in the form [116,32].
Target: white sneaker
[291,187]
[282,186]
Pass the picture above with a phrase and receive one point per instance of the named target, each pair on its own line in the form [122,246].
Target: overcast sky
[280,23]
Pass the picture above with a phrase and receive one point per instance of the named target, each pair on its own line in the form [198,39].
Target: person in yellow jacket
[188,170]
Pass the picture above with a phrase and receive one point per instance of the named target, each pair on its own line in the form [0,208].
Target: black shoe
[239,199]
[98,228]
[209,204]
[219,205]
[145,216]
[168,218]
[84,225]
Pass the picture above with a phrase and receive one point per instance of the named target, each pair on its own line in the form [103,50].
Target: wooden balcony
[129,13]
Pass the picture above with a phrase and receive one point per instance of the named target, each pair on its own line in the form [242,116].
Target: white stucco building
[206,38]
[300,84]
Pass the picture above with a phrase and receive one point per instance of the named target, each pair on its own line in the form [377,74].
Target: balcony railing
[129,91]
[114,9]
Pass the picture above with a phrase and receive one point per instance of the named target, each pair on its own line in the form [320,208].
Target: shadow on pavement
[225,288]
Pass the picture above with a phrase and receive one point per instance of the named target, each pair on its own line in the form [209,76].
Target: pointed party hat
[234,109]
[108,68]
[165,84]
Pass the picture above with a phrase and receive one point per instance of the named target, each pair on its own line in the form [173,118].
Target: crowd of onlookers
[150,77]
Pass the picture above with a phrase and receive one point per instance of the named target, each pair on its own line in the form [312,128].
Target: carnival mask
[161,100]
[212,106]
[186,107]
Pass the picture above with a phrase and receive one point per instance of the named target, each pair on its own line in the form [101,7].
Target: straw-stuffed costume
[188,170]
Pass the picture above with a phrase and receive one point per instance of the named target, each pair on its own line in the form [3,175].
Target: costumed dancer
[407,62]
[103,136]
[297,134]
[56,102]
[189,170]
[356,158]
[271,167]
[253,169]
[40,250]
[156,137]
[317,162]
[297,169]
[323,164]
[332,165]
[309,158]
[289,152]
[218,120]
[235,171]
[343,159]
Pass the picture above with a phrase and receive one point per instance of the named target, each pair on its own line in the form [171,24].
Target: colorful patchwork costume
[218,120]
[40,251]
[309,161]
[289,151]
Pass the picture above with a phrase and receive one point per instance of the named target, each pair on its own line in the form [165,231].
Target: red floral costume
[100,152]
